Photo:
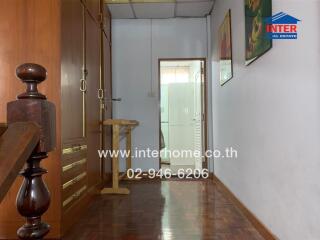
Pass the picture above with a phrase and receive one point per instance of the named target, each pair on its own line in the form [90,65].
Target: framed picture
[257,43]
[225,44]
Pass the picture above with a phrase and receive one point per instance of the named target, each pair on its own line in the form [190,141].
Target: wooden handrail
[16,145]
[3,128]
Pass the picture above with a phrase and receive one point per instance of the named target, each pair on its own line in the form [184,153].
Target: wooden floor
[179,210]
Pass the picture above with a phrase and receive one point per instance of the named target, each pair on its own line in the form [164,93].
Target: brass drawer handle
[74,196]
[73,149]
[83,147]
[74,181]
[76,148]
[72,165]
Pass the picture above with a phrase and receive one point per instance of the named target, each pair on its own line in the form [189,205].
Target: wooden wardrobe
[72,40]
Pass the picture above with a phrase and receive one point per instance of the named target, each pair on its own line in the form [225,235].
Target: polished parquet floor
[164,210]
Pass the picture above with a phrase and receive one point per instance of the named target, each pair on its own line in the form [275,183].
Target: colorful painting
[225,43]
[257,43]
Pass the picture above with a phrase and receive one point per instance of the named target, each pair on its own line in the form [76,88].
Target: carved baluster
[34,198]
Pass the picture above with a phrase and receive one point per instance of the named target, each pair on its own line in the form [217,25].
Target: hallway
[179,210]
[223,94]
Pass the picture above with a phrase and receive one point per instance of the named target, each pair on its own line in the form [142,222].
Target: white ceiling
[170,9]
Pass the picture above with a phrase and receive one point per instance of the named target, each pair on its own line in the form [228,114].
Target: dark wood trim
[205,97]
[260,227]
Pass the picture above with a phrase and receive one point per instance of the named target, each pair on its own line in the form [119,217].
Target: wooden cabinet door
[73,175]
[71,70]
[92,101]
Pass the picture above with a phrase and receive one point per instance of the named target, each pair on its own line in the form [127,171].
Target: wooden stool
[118,126]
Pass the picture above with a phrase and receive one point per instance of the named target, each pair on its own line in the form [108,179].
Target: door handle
[114,100]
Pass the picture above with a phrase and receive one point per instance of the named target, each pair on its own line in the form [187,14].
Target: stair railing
[26,140]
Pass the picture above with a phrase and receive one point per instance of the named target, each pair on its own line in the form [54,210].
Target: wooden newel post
[33,199]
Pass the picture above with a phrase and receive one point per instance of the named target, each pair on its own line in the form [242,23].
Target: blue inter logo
[282,26]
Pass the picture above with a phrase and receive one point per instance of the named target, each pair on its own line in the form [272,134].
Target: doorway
[183,135]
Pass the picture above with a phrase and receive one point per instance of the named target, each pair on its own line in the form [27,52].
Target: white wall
[270,112]
[135,70]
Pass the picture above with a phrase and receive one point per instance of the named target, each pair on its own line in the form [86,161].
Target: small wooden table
[118,127]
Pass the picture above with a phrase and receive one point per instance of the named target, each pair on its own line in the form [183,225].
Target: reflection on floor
[167,210]
[175,168]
